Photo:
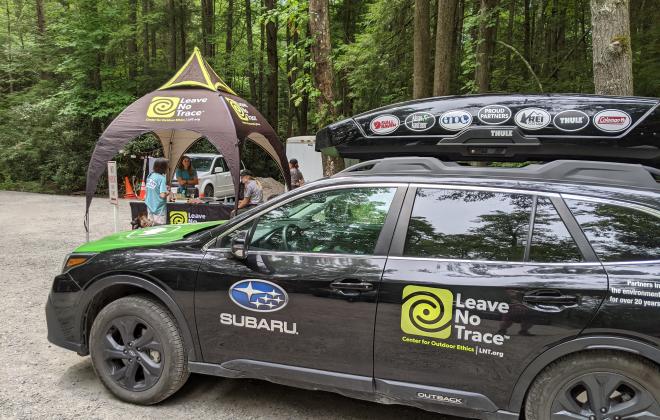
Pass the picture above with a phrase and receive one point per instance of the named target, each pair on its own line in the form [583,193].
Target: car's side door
[479,282]
[304,298]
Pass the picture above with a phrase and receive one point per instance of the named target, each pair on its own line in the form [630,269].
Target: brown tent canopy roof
[196,72]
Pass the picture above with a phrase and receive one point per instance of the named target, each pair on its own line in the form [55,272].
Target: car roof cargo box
[504,128]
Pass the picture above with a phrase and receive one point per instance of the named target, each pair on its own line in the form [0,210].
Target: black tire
[137,350]
[208,191]
[596,385]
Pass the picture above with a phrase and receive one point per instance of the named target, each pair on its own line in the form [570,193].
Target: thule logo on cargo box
[501,133]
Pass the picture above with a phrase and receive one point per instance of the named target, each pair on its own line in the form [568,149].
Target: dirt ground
[39,380]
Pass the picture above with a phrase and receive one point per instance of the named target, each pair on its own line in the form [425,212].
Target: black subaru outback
[483,292]
[473,291]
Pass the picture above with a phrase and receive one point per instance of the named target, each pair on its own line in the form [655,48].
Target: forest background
[68,67]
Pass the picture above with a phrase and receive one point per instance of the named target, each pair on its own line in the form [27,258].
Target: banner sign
[113,190]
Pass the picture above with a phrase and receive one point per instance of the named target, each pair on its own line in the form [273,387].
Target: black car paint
[193,282]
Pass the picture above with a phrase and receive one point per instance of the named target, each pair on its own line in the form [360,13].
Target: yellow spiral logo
[178,217]
[427,311]
[240,112]
[163,106]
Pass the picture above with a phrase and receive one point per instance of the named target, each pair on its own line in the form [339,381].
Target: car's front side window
[618,233]
[476,225]
[341,221]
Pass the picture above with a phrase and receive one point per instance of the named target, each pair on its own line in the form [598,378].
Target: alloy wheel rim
[132,353]
[604,396]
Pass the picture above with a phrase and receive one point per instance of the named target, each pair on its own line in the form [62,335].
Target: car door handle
[353,285]
[550,298]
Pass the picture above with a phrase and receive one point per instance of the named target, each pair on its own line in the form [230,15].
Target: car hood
[156,235]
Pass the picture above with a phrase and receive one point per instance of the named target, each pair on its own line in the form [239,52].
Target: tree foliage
[68,67]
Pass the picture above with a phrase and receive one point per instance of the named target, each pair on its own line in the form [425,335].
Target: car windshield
[202,164]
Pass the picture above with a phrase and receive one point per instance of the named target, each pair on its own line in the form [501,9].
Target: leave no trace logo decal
[427,311]
[163,106]
[178,217]
[241,111]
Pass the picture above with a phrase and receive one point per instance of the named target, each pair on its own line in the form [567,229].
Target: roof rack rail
[591,172]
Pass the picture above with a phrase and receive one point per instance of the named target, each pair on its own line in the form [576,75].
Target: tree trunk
[444,47]
[132,41]
[612,50]
[421,50]
[319,27]
[173,36]
[152,35]
[183,17]
[262,43]
[527,47]
[271,54]
[41,20]
[457,45]
[208,28]
[145,34]
[229,40]
[509,40]
[250,51]
[349,22]
[9,53]
[485,44]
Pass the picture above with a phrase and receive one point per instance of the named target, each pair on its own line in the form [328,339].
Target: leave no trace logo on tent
[163,106]
[241,111]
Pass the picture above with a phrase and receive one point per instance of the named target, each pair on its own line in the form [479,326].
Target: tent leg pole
[116,217]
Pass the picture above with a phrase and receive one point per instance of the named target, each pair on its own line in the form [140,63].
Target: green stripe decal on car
[157,235]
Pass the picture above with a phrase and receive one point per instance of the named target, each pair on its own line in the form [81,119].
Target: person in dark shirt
[297,179]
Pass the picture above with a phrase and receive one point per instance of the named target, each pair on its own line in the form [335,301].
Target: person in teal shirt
[186,175]
[156,199]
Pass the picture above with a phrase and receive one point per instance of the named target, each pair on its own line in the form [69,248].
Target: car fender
[149,286]
[595,342]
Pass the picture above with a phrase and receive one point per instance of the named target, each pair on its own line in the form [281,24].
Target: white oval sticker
[419,121]
[612,120]
[532,118]
[455,120]
[384,124]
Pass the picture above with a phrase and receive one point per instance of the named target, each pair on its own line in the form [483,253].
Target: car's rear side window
[618,233]
[551,241]
[476,225]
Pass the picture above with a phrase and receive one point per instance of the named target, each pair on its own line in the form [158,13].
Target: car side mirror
[218,170]
[238,246]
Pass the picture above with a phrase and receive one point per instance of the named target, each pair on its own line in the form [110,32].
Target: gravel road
[39,380]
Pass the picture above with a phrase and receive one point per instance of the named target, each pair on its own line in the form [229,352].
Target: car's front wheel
[596,385]
[137,350]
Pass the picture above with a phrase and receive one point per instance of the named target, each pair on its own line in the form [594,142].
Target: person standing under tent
[297,179]
[253,194]
[186,175]
[156,199]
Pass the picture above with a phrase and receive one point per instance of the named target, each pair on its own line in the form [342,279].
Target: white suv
[213,173]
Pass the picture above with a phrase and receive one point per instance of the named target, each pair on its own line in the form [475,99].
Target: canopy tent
[193,104]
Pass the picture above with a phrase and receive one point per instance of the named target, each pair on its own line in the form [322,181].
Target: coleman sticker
[384,124]
[612,120]
[532,118]
[419,121]
[494,114]
[455,120]
[571,120]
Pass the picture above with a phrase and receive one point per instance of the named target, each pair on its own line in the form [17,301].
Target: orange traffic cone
[129,189]
[143,190]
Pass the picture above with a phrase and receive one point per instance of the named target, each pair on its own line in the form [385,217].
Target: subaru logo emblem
[258,295]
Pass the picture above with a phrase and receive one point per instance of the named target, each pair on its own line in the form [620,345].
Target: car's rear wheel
[596,386]
[208,191]
[137,350]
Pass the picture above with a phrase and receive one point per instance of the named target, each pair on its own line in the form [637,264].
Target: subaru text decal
[258,295]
